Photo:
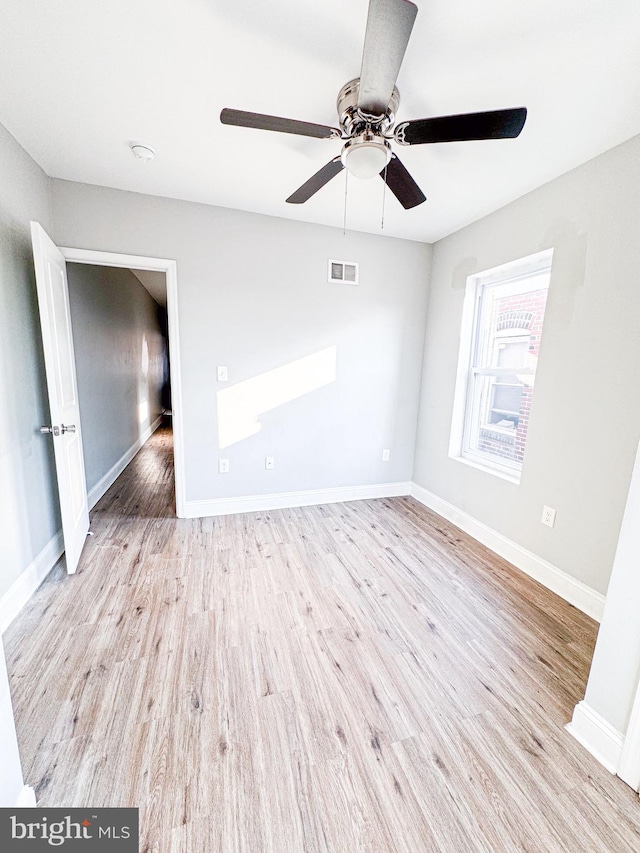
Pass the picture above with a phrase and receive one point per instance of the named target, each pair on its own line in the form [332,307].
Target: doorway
[120,345]
[155,267]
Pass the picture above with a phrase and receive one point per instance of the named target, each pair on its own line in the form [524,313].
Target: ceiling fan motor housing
[353,121]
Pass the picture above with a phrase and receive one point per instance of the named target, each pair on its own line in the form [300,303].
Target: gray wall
[114,319]
[585,421]
[29,515]
[254,296]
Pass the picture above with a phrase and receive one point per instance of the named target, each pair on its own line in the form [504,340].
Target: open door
[55,320]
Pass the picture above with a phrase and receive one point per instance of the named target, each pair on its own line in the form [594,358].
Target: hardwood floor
[345,678]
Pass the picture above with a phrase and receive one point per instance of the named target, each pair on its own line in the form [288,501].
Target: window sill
[509,476]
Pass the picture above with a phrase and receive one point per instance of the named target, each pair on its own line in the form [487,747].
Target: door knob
[70,428]
[53,430]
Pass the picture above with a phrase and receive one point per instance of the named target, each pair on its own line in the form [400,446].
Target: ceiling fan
[367,109]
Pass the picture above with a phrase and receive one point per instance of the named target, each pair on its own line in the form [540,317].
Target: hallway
[344,678]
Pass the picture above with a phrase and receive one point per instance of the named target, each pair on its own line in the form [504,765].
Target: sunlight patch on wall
[143,412]
[240,406]
[145,356]
[143,385]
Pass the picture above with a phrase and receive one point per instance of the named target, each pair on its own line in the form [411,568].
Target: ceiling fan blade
[497,124]
[239,118]
[316,182]
[402,184]
[389,26]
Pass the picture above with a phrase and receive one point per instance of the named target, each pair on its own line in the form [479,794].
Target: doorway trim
[170,268]
[613,686]
[629,764]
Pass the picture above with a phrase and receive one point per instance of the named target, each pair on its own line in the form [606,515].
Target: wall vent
[345,272]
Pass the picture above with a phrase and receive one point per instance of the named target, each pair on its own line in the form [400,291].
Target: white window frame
[464,419]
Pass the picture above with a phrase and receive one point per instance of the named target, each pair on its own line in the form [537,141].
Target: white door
[64,430]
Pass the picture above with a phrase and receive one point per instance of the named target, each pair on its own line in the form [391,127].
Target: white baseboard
[28,582]
[105,483]
[583,597]
[596,735]
[285,500]
[26,798]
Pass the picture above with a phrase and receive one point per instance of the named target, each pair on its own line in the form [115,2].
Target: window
[502,326]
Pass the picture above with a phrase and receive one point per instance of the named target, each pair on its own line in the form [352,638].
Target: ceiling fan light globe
[365,159]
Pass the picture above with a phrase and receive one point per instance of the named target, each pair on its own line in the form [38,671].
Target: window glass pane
[513,353]
[498,428]
[510,320]
[506,398]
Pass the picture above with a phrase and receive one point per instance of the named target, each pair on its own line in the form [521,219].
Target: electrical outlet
[269,463]
[223,466]
[548,516]
[386,454]
[223,374]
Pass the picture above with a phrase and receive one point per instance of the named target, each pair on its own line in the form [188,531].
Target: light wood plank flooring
[345,678]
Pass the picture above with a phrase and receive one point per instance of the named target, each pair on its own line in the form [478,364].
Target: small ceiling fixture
[143,152]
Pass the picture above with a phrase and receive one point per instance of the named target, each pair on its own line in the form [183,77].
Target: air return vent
[345,272]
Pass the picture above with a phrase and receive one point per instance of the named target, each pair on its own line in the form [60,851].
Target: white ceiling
[81,80]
